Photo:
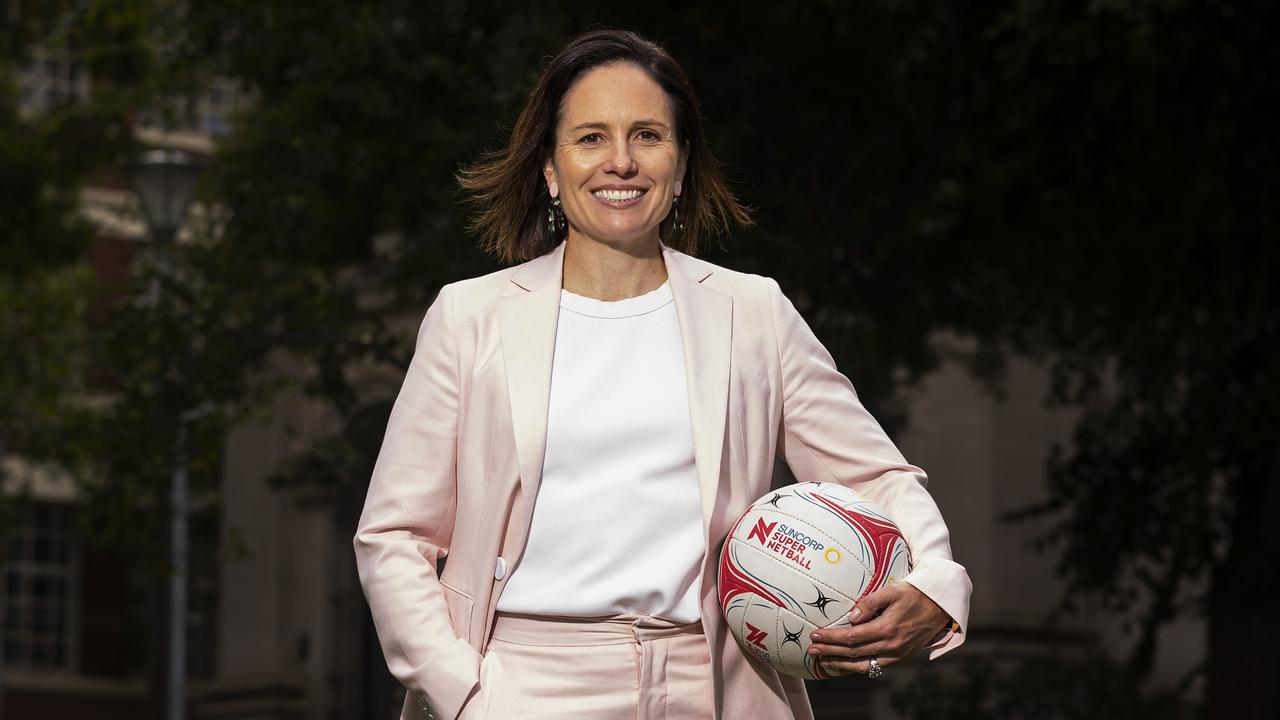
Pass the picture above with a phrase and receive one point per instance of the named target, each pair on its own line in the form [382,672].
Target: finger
[838,668]
[873,649]
[861,666]
[872,604]
[881,630]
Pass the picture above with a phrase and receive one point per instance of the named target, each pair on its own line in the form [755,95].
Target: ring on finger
[874,670]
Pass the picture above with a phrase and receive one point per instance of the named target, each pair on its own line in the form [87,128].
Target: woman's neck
[612,272]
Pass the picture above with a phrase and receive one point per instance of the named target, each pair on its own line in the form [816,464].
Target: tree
[1113,216]
[45,287]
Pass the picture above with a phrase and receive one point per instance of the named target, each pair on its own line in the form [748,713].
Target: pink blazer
[460,464]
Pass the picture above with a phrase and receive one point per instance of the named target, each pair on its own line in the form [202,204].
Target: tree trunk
[1244,627]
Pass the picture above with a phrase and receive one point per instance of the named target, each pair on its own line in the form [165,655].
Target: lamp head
[165,181]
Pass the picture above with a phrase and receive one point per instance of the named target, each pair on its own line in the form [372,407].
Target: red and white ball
[799,559]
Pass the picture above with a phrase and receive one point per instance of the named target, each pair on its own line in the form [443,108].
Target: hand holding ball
[799,559]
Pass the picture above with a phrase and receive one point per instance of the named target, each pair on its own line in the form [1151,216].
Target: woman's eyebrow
[597,125]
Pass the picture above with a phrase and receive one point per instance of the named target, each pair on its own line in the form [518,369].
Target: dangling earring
[675,215]
[554,222]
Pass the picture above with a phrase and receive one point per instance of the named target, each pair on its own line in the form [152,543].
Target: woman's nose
[622,161]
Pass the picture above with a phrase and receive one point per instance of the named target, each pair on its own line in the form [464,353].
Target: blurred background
[1039,236]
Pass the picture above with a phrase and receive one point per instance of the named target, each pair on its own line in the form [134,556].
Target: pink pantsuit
[461,461]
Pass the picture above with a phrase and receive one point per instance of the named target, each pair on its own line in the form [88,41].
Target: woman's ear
[553,185]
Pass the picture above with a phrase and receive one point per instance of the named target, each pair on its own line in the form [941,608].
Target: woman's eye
[592,139]
[648,135]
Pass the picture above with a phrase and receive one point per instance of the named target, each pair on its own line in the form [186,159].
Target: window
[48,80]
[208,114]
[40,573]
[215,107]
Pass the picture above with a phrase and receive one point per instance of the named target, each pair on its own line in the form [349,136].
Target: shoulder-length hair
[506,184]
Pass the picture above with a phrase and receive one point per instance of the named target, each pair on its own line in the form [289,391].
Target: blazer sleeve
[827,434]
[407,524]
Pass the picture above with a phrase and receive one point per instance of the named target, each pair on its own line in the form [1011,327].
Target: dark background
[1089,186]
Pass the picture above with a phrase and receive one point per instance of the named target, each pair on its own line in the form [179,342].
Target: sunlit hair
[507,187]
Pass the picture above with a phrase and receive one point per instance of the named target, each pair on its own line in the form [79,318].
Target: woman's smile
[619,197]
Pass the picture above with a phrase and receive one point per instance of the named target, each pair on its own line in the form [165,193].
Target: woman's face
[616,163]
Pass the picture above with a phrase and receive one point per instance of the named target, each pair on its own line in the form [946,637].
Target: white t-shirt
[617,523]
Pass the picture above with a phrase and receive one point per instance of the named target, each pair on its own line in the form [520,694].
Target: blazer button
[500,570]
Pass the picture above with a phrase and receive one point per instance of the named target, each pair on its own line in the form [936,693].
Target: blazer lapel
[528,324]
[528,319]
[706,327]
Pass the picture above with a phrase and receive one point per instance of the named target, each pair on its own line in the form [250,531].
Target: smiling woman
[579,432]
[608,97]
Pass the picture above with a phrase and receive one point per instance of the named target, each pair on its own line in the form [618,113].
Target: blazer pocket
[460,605]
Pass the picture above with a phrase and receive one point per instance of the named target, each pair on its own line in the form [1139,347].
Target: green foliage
[99,376]
[44,332]
[45,291]
[37,195]
[1127,190]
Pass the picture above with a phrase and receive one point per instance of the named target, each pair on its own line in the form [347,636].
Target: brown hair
[506,184]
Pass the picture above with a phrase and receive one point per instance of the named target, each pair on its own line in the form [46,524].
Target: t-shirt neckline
[627,307]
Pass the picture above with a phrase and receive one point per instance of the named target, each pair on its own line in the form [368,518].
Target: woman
[578,432]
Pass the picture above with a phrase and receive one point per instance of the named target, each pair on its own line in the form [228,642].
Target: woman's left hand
[888,625]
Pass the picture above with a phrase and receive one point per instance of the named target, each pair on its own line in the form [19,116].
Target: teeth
[618,194]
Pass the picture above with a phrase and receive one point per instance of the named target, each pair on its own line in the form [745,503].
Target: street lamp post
[165,183]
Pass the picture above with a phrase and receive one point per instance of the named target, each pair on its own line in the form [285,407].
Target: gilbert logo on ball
[799,559]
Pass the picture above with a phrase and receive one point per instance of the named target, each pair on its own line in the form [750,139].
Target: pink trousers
[623,668]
